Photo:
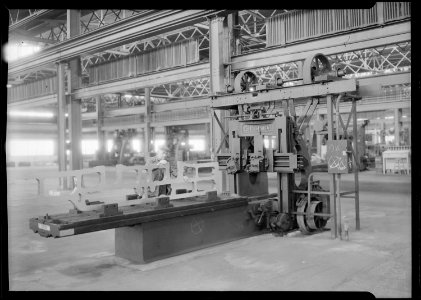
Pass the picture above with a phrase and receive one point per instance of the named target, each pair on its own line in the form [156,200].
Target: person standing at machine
[158,173]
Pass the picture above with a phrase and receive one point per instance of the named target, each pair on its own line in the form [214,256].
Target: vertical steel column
[74,82]
[235,32]
[383,132]
[398,114]
[332,185]
[73,23]
[75,128]
[319,136]
[338,182]
[216,37]
[61,122]
[409,135]
[147,128]
[217,75]
[100,133]
[356,165]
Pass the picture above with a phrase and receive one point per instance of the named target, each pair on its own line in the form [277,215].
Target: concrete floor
[376,259]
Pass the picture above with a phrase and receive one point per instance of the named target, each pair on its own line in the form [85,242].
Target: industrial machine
[122,152]
[248,161]
[157,227]
[177,148]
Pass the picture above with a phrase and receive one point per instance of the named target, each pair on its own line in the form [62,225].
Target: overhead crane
[154,227]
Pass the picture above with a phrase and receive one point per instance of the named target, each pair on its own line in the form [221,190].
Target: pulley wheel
[301,221]
[309,224]
[244,80]
[315,65]
[316,222]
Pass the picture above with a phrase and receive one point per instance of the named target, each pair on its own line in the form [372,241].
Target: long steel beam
[113,35]
[292,92]
[367,86]
[158,78]
[181,105]
[358,40]
[136,110]
[364,106]
[181,122]
[31,127]
[343,42]
[29,19]
[37,101]
[22,128]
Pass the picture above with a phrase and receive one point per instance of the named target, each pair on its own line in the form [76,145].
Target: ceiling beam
[30,18]
[159,78]
[54,22]
[118,52]
[255,14]
[18,37]
[341,42]
[203,26]
[119,33]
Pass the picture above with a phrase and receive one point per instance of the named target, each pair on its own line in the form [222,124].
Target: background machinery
[122,151]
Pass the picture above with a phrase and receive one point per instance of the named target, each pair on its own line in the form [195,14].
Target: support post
[100,133]
[332,185]
[319,136]
[217,76]
[235,32]
[398,115]
[75,121]
[356,165]
[147,129]
[61,122]
[338,182]
[74,82]
[73,23]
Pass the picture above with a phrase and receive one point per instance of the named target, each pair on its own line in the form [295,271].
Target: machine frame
[318,88]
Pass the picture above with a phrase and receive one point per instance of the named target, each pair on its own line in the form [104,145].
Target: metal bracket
[109,210]
[225,138]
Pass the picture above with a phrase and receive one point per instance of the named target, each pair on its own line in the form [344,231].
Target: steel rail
[28,19]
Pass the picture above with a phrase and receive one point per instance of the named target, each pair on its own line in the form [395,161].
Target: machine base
[160,239]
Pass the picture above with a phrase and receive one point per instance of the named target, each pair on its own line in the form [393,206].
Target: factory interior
[210,150]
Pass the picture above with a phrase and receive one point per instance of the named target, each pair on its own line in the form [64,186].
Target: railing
[398,148]
[304,24]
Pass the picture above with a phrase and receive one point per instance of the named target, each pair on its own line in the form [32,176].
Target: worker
[158,172]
